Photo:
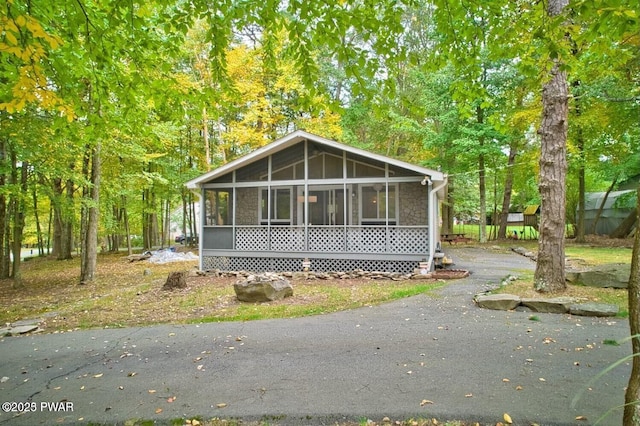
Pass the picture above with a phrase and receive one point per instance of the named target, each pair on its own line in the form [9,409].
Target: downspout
[434,230]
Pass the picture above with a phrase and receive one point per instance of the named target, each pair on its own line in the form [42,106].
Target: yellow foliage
[30,85]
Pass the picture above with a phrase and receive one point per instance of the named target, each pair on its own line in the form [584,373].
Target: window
[218,207]
[281,206]
[375,204]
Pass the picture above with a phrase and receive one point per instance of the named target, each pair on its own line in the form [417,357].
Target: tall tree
[632,397]
[550,273]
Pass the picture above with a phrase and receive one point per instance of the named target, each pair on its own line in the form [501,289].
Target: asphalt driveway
[426,356]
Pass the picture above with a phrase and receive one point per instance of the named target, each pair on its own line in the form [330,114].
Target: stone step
[558,305]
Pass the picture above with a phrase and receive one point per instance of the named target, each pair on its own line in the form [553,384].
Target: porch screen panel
[360,167]
[256,171]
[284,163]
[218,207]
[217,232]
[376,206]
[281,206]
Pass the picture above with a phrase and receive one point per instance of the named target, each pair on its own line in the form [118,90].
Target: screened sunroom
[308,202]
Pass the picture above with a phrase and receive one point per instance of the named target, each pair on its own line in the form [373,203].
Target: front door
[326,205]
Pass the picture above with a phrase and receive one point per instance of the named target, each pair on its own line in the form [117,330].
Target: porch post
[305,200]
[203,215]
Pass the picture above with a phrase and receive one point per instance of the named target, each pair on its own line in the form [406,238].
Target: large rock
[501,302]
[593,309]
[262,288]
[556,305]
[614,275]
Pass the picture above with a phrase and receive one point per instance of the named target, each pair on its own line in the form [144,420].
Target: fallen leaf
[469,395]
[158,410]
[542,379]
[425,402]
[221,405]
[507,418]
[505,380]
[152,391]
[97,376]
[581,418]
[82,387]
[171,399]
[131,374]
[200,367]
[518,387]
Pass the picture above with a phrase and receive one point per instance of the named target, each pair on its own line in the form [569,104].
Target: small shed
[615,209]
[306,202]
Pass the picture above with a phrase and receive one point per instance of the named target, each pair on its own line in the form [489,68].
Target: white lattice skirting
[270,264]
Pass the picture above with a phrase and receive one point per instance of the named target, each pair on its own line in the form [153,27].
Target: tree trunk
[632,397]
[579,231]
[39,236]
[508,187]
[176,280]
[550,272]
[626,226]
[18,214]
[90,242]
[482,235]
[482,184]
[4,220]
[205,135]
[127,231]
[62,201]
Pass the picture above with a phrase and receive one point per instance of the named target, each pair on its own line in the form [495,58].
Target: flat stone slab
[557,305]
[19,329]
[500,302]
[593,309]
[610,275]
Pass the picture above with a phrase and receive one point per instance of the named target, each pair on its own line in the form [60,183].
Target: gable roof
[297,137]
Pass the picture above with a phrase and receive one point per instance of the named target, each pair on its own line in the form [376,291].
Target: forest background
[108,107]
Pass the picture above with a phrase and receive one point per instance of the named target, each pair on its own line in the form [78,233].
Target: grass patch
[130,294]
[599,255]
